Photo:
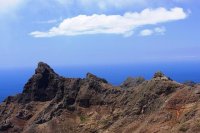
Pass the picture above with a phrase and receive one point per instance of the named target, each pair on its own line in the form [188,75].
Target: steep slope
[50,103]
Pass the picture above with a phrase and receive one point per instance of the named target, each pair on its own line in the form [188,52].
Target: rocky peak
[43,85]
[91,105]
[43,68]
[160,76]
[90,76]
[132,82]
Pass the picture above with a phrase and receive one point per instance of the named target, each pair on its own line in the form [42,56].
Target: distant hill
[51,103]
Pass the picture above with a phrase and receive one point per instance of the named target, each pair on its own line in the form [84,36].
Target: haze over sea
[13,80]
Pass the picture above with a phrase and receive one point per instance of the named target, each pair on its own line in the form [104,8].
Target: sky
[98,32]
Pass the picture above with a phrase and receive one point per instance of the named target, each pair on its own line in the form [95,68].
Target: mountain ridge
[52,103]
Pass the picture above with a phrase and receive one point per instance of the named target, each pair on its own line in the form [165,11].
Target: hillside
[54,104]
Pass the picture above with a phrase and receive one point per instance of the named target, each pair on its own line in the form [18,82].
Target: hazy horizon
[113,39]
[12,80]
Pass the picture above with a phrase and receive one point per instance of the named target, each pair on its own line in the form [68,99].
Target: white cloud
[51,21]
[8,5]
[112,24]
[157,30]
[160,30]
[146,32]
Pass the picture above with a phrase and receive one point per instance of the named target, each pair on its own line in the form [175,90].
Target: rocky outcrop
[92,77]
[5,125]
[132,82]
[160,76]
[51,103]
[24,114]
[42,86]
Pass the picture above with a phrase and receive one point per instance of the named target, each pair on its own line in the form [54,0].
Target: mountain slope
[51,103]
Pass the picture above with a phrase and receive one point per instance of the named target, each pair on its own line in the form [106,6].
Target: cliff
[51,103]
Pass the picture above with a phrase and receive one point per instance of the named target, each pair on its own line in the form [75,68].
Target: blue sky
[98,32]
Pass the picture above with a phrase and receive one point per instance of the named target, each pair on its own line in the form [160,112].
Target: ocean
[12,81]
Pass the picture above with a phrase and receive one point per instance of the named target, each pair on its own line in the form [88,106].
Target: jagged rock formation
[160,76]
[51,103]
[132,82]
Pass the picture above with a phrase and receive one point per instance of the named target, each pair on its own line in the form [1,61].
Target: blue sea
[12,80]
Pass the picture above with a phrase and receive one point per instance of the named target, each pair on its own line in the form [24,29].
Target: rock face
[51,103]
[132,82]
[160,76]
[42,86]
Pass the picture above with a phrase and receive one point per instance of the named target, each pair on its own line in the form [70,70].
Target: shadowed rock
[132,82]
[51,103]
[43,85]
[90,76]
[5,125]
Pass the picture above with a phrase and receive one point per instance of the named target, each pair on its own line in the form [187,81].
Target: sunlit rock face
[51,103]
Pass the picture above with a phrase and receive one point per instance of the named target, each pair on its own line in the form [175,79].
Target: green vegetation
[82,118]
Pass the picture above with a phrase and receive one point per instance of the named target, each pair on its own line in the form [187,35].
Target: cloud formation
[51,21]
[112,24]
[157,30]
[146,32]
